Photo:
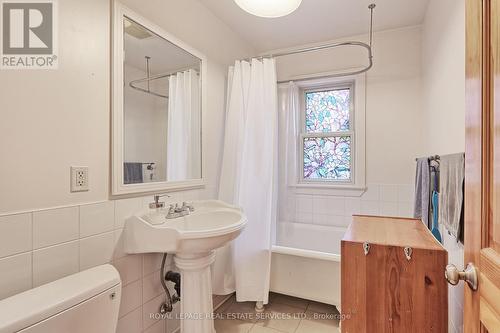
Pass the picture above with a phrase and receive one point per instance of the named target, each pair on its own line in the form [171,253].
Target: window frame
[356,186]
[350,133]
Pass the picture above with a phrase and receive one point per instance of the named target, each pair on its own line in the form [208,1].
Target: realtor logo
[28,35]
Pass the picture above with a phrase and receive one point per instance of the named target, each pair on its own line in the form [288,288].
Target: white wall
[393,100]
[443,56]
[393,128]
[443,59]
[54,119]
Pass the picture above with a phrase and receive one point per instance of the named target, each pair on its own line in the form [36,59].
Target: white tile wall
[379,199]
[54,262]
[405,209]
[406,193]
[370,207]
[15,234]
[96,250]
[150,286]
[42,246]
[118,251]
[172,324]
[55,226]
[388,208]
[129,267]
[131,297]
[304,203]
[159,327]
[16,274]
[131,323]
[126,208]
[352,206]
[96,218]
[320,205]
[389,193]
[304,217]
[372,193]
[152,263]
[150,307]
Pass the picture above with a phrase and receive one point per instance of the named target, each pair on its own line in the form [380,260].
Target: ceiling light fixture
[269,8]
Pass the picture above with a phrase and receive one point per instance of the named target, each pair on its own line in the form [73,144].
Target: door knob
[469,275]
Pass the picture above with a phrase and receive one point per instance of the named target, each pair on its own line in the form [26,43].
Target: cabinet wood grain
[384,291]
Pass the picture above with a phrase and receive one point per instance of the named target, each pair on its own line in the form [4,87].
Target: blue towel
[132,173]
[435,210]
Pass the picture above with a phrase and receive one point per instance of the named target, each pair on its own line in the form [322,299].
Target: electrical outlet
[79,179]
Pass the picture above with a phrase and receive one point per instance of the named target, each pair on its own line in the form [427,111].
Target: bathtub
[306,262]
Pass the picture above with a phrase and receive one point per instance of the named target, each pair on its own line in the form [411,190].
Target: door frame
[475,150]
[480,161]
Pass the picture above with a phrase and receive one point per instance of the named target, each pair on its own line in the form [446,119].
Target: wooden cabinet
[392,277]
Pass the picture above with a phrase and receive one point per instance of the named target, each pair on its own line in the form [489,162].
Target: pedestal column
[196,292]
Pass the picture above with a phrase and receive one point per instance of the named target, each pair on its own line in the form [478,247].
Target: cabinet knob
[469,275]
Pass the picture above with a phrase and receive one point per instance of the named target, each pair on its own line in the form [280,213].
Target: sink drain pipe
[170,300]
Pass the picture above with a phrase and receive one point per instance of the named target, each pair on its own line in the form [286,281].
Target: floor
[283,314]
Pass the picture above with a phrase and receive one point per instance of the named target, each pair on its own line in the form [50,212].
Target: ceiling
[317,20]
[165,56]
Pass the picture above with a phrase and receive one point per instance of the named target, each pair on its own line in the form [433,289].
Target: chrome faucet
[157,204]
[187,207]
[176,211]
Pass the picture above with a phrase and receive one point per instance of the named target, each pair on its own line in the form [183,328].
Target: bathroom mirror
[157,108]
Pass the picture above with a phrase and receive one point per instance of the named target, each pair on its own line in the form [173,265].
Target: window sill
[327,189]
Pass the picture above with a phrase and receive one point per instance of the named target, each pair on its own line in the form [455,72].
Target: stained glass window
[327,158]
[328,111]
[327,141]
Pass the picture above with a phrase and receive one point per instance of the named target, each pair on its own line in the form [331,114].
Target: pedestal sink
[192,239]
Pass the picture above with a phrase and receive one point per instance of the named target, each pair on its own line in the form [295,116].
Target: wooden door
[482,164]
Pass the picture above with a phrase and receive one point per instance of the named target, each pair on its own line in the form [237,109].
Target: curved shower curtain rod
[149,78]
[368,47]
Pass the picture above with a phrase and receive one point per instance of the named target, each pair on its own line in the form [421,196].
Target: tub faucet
[157,204]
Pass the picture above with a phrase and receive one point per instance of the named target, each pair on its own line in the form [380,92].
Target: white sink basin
[212,225]
[192,239]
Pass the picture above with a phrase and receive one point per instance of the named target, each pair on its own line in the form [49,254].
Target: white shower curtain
[249,178]
[288,115]
[183,134]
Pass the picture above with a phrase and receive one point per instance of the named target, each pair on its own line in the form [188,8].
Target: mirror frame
[117,107]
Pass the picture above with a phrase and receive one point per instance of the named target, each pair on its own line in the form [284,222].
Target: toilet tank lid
[34,305]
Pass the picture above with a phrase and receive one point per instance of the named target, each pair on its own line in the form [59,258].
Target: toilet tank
[85,302]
